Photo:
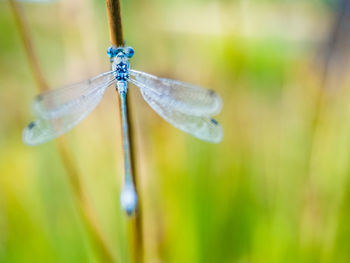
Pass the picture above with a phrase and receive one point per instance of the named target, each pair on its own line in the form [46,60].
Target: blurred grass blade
[338,44]
[72,172]
[23,29]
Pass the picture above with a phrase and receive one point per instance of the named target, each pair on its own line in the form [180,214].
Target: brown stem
[117,39]
[28,45]
[115,22]
[84,209]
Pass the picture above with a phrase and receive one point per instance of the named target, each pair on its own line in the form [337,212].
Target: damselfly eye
[129,52]
[111,52]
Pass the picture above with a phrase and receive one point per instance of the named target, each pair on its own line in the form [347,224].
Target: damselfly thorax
[121,66]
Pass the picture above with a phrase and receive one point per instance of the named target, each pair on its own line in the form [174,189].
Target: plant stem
[115,22]
[28,45]
[117,39]
[84,208]
[332,67]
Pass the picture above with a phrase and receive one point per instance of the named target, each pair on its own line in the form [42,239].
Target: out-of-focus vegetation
[276,189]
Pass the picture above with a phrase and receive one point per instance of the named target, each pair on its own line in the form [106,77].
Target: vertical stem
[28,45]
[115,22]
[117,39]
[332,67]
[85,210]
[83,206]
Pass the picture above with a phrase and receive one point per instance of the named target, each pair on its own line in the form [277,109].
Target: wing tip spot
[212,93]
[213,121]
[31,125]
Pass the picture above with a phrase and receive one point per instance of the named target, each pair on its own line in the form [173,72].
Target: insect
[186,106]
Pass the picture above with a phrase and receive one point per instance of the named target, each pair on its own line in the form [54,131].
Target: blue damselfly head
[120,52]
[128,199]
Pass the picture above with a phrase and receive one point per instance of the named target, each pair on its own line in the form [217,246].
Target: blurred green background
[276,189]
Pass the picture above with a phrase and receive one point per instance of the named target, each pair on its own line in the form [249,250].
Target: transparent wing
[44,129]
[59,102]
[202,127]
[182,97]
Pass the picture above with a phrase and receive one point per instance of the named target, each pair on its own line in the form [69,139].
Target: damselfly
[186,106]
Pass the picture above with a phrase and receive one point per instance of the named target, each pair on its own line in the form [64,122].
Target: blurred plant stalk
[135,223]
[336,57]
[332,76]
[28,46]
[334,64]
[82,202]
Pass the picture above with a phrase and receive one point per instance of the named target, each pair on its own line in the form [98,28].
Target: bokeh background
[276,189]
